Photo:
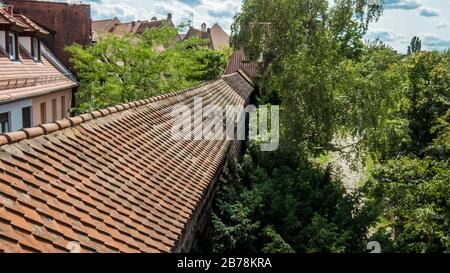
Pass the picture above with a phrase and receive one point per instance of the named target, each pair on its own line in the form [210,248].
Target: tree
[122,69]
[415,46]
[428,94]
[308,49]
[277,204]
[412,185]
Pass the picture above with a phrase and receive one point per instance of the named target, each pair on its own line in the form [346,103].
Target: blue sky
[402,19]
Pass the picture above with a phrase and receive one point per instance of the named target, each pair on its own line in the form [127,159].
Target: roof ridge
[57,3]
[48,128]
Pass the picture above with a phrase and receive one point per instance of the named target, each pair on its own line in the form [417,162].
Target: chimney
[169,16]
[204,27]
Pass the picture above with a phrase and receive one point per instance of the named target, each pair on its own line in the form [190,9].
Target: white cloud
[401,4]
[203,11]
[432,40]
[384,35]
[428,12]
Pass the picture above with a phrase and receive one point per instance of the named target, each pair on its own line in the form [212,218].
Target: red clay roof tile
[112,180]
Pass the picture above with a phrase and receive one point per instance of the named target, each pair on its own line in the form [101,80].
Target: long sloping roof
[112,180]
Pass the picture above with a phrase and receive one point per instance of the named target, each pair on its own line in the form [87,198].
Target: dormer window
[36,49]
[12,46]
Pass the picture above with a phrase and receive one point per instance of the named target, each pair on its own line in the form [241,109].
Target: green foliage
[283,205]
[416,196]
[314,58]
[415,46]
[412,184]
[123,69]
[330,84]
[277,244]
[428,93]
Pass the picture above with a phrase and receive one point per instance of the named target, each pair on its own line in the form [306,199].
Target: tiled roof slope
[115,27]
[216,36]
[27,78]
[239,61]
[8,19]
[112,180]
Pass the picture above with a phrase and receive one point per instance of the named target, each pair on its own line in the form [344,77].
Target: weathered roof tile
[113,180]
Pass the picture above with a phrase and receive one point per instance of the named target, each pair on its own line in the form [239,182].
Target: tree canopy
[330,85]
[122,69]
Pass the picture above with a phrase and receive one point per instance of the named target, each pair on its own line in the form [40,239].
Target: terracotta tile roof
[239,61]
[32,27]
[115,27]
[112,180]
[126,28]
[100,25]
[198,33]
[138,27]
[27,78]
[8,19]
[217,37]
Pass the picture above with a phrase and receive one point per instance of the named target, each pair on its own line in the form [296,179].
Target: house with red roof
[35,87]
[67,23]
[240,61]
[116,27]
[217,38]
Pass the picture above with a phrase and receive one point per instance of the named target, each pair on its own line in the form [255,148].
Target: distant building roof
[118,28]
[101,26]
[217,37]
[112,180]
[239,61]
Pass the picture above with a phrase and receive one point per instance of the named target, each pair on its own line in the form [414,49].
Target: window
[26,117]
[36,49]
[63,107]
[4,123]
[43,113]
[54,111]
[12,46]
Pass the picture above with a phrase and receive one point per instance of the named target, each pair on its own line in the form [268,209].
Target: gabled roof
[102,26]
[126,28]
[111,180]
[239,61]
[32,27]
[105,25]
[115,27]
[217,38]
[10,20]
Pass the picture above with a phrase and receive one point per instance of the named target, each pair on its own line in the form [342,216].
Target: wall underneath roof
[47,99]
[71,23]
[15,113]
[197,227]
[2,39]
[26,43]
